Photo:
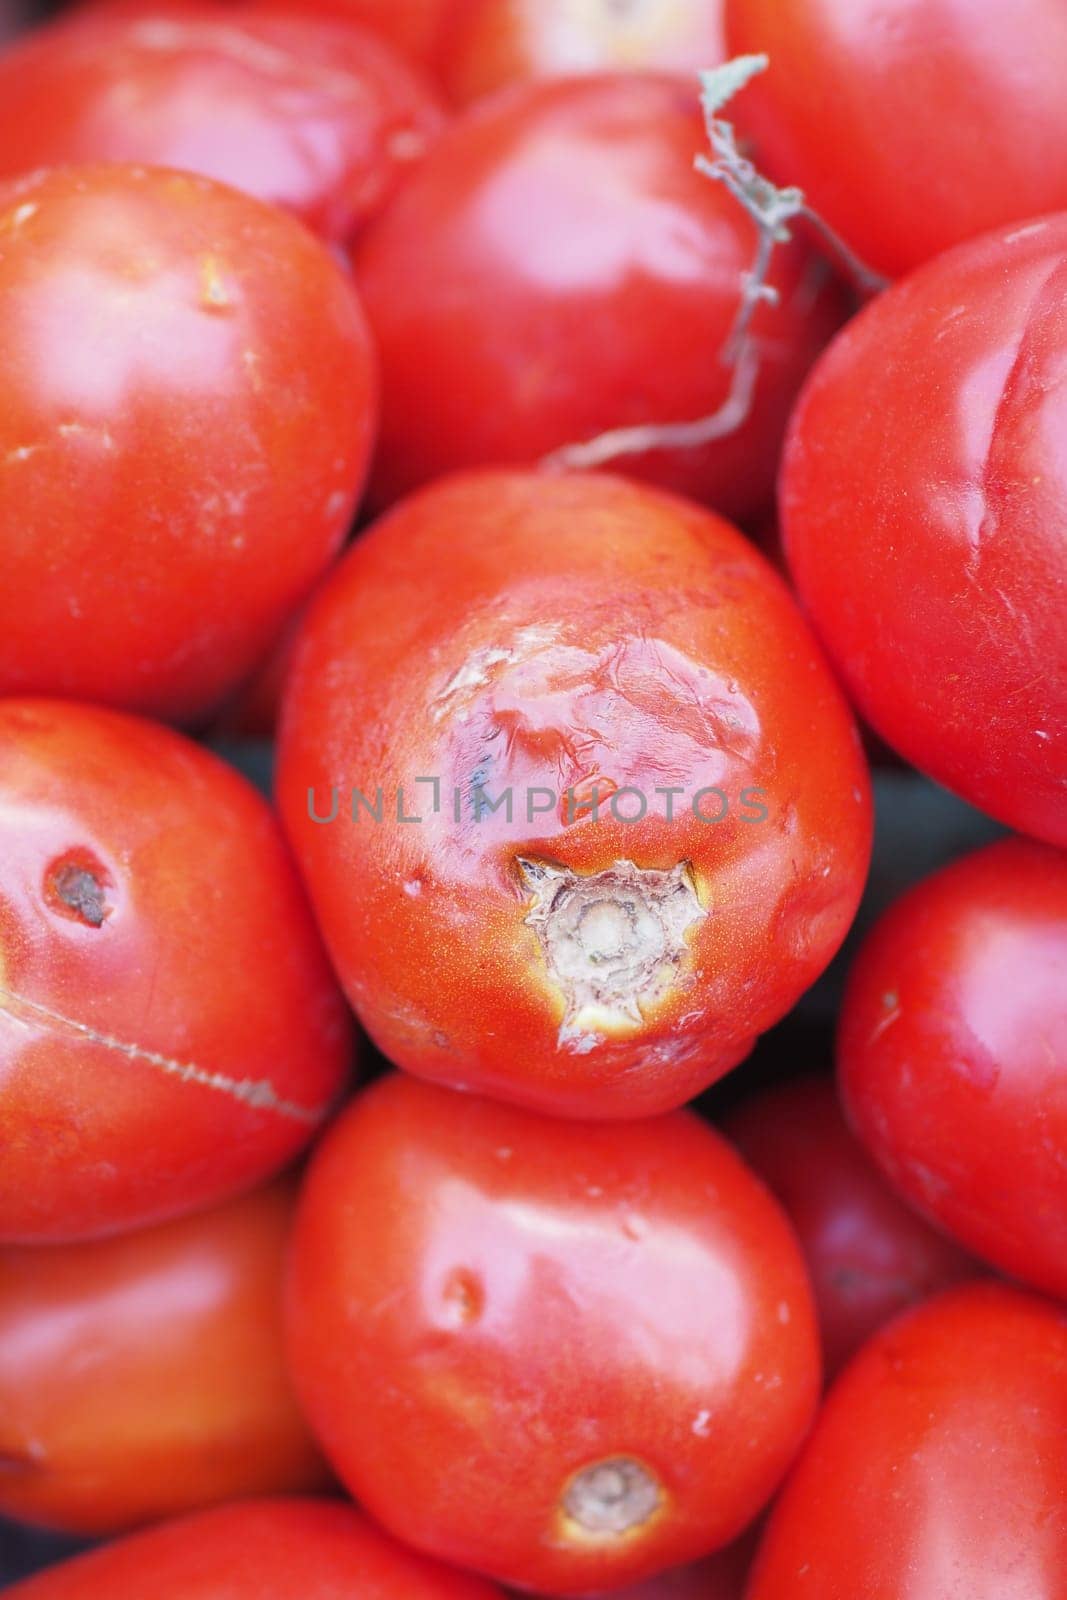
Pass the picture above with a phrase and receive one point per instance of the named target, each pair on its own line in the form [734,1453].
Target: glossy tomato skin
[257,1550]
[911,125]
[143,1376]
[418,29]
[323,120]
[870,1256]
[498,42]
[943,1442]
[185,423]
[498,1321]
[556,269]
[170,1032]
[953,1054]
[924,491]
[548,637]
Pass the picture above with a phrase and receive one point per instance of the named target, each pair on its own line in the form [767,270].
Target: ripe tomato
[937,1469]
[716,1577]
[256,1550]
[419,29]
[688,828]
[911,125]
[185,422]
[507,41]
[567,1355]
[170,1032]
[924,499]
[556,269]
[322,119]
[869,1255]
[953,1054]
[143,1376]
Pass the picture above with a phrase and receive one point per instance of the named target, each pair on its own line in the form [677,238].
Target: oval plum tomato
[569,1355]
[170,1032]
[937,1469]
[869,1255]
[580,808]
[911,125]
[143,1376]
[256,1550]
[953,1054]
[924,499]
[322,120]
[555,270]
[497,42]
[185,422]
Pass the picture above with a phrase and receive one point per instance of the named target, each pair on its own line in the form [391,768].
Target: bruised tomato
[924,500]
[580,808]
[937,1469]
[321,119]
[568,1355]
[185,422]
[953,1054]
[256,1550]
[170,1032]
[556,270]
[869,1255]
[497,42]
[911,125]
[143,1376]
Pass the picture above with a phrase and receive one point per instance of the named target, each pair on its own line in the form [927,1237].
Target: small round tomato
[556,270]
[321,119]
[911,125]
[580,808]
[869,1255]
[256,1550]
[509,41]
[953,1054]
[185,422]
[938,1467]
[924,498]
[170,1032]
[143,1376]
[567,1355]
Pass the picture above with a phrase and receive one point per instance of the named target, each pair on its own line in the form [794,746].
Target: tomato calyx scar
[613,942]
[610,1499]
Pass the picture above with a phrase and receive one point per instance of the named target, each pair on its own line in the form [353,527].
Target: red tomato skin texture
[178,1038]
[924,497]
[483,1304]
[143,1376]
[944,1440]
[185,424]
[257,1550]
[556,269]
[498,42]
[869,1255]
[953,1055]
[473,631]
[911,125]
[322,120]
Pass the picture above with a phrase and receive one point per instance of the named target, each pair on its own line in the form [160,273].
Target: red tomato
[323,120]
[143,1376]
[555,269]
[419,29]
[953,1054]
[258,1550]
[170,1032]
[911,125]
[185,421]
[869,1255]
[938,1469]
[568,1355]
[924,500]
[507,41]
[716,1577]
[689,824]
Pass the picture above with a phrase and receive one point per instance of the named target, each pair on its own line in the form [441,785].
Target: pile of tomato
[601,453]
